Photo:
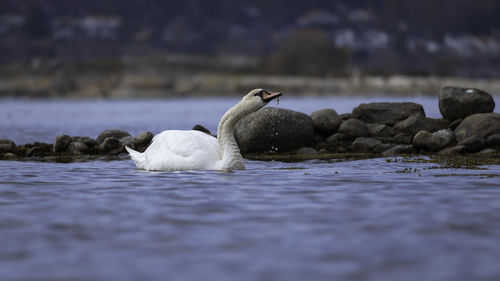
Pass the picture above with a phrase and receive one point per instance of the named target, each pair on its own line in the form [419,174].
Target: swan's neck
[230,152]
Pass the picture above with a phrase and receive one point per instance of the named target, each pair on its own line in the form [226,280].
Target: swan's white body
[174,150]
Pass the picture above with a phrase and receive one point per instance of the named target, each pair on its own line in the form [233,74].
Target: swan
[174,150]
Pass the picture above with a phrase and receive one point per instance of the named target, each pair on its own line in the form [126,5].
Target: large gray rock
[326,121]
[7,146]
[456,103]
[417,122]
[430,142]
[78,148]
[387,113]
[399,149]
[353,128]
[380,130]
[117,134]
[482,125]
[493,140]
[472,144]
[274,129]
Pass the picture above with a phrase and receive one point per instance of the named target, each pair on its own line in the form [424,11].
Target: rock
[453,125]
[387,113]
[353,128]
[456,103]
[403,138]
[61,143]
[39,149]
[493,140]
[363,144]
[380,130]
[452,150]
[111,146]
[447,135]
[307,151]
[336,143]
[144,138]
[429,142]
[197,128]
[383,147]
[78,148]
[117,134]
[128,141]
[400,149]
[472,144]
[326,121]
[274,129]
[488,151]
[7,146]
[345,116]
[417,122]
[482,125]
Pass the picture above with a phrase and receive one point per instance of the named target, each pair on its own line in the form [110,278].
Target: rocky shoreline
[468,127]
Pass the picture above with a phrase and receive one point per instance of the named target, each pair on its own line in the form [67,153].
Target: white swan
[174,150]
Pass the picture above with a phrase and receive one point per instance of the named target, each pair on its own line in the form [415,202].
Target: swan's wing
[182,150]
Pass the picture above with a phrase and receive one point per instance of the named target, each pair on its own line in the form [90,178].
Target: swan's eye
[260,93]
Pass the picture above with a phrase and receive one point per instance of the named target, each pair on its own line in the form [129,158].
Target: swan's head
[258,98]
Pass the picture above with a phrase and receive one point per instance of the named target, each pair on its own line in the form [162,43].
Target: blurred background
[163,48]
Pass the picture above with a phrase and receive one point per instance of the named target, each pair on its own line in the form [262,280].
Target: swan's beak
[269,96]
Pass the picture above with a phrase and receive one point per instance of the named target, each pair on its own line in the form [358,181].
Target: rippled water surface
[370,219]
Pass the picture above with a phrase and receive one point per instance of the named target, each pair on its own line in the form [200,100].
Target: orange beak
[269,96]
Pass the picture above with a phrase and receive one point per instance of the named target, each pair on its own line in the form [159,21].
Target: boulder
[380,130]
[482,125]
[430,142]
[309,151]
[383,147]
[493,140]
[453,125]
[78,148]
[38,149]
[326,121]
[337,143]
[452,150]
[456,103]
[353,128]
[472,144]
[387,113]
[61,143]
[403,138]
[364,144]
[7,146]
[417,122]
[111,146]
[488,151]
[117,134]
[400,149]
[274,129]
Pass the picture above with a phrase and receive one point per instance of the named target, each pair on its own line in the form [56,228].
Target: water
[369,219]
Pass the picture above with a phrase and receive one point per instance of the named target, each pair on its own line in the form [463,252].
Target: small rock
[383,147]
[128,141]
[345,116]
[61,143]
[196,128]
[117,134]
[39,150]
[417,122]
[380,130]
[493,140]
[353,128]
[452,150]
[472,144]
[7,146]
[78,148]
[488,151]
[456,103]
[145,138]
[387,113]
[429,142]
[336,143]
[326,121]
[400,149]
[453,125]
[364,144]
[482,125]
[111,146]
[403,138]
[307,151]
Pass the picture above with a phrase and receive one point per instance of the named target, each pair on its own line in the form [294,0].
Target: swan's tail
[138,157]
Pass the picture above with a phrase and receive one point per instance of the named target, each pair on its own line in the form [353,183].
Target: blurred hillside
[56,40]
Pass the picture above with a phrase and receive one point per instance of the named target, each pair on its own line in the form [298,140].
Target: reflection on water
[312,220]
